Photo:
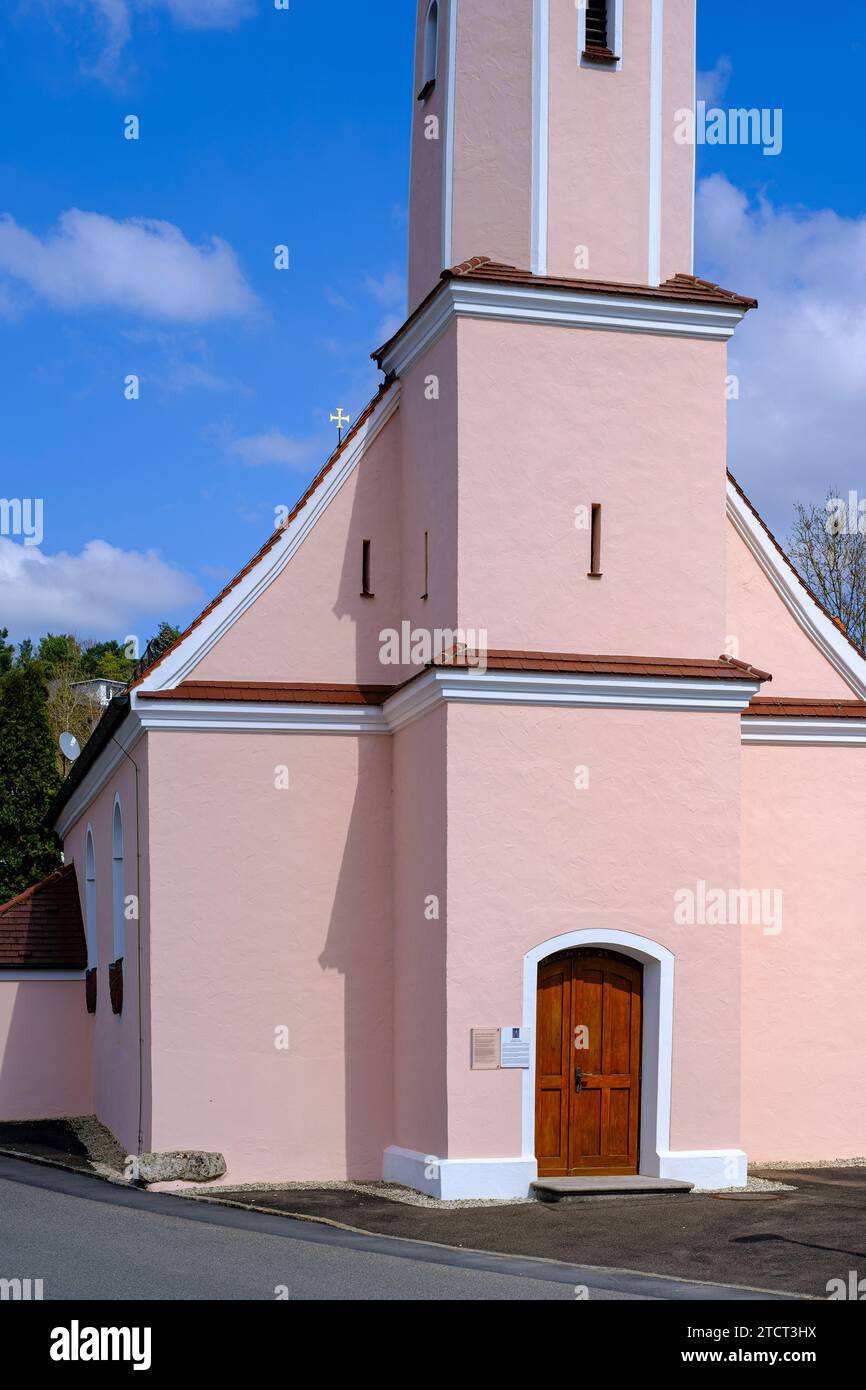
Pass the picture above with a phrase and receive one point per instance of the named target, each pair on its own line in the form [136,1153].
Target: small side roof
[41,928]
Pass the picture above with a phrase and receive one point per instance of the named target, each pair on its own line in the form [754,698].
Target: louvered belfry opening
[596,24]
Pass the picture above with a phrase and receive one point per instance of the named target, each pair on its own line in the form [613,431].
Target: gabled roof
[837,623]
[824,630]
[277,536]
[42,929]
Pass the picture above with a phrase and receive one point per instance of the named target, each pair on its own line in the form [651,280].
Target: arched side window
[117,879]
[431,49]
[90,900]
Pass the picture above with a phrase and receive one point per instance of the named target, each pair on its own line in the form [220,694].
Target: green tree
[107,659]
[7,651]
[56,650]
[28,781]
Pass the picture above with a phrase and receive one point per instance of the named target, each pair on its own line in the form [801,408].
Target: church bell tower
[544,137]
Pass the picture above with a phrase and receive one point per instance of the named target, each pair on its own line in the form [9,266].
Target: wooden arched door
[587,1077]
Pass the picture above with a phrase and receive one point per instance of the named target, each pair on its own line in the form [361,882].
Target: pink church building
[503,818]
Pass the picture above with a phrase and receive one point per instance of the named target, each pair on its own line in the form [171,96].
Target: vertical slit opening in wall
[426,564]
[595,542]
[366,591]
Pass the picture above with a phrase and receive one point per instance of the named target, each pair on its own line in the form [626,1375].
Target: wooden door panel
[589,1017]
[617,1024]
[586,1017]
[552,1098]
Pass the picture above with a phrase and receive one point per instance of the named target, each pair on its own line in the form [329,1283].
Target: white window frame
[90,899]
[431,43]
[117,879]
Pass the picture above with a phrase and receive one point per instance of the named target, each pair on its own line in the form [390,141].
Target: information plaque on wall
[485,1049]
[514,1047]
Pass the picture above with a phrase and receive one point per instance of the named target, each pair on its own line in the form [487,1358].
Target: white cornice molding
[244,717]
[178,665]
[814,733]
[817,626]
[564,691]
[507,303]
[436,687]
[444,686]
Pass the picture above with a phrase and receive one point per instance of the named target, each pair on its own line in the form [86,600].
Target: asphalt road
[87,1239]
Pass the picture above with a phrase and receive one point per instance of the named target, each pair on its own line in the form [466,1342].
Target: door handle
[578,1079]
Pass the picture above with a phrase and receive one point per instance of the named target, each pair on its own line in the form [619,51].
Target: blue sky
[261,127]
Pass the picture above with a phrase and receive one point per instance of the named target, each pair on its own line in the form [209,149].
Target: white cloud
[115,21]
[139,265]
[388,289]
[387,328]
[273,446]
[204,14]
[103,591]
[712,85]
[800,422]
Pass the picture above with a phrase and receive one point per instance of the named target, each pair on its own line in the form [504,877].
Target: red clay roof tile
[781,707]
[41,928]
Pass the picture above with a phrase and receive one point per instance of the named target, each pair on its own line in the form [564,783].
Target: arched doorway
[588,1063]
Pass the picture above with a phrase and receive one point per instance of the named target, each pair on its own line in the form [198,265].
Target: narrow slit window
[601,27]
[595,542]
[431,50]
[426,592]
[366,591]
[596,24]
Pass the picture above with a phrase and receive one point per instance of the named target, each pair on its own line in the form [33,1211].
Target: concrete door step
[629,1185]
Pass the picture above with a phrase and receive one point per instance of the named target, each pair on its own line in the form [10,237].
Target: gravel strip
[389,1191]
[753,1185]
[781,1165]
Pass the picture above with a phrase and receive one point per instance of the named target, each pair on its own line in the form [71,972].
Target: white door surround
[454,1178]
[703,1167]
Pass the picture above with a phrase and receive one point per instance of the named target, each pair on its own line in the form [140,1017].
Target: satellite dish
[69,747]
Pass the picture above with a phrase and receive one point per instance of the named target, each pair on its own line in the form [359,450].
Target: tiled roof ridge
[794,706]
[550,663]
[36,887]
[484,267]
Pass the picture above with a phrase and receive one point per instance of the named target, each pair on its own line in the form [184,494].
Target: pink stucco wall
[332,633]
[530,857]
[427,483]
[599,146]
[420,940]
[552,419]
[766,633]
[427,159]
[45,1050]
[270,909]
[493,133]
[599,152]
[119,1042]
[803,831]
[678,160]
